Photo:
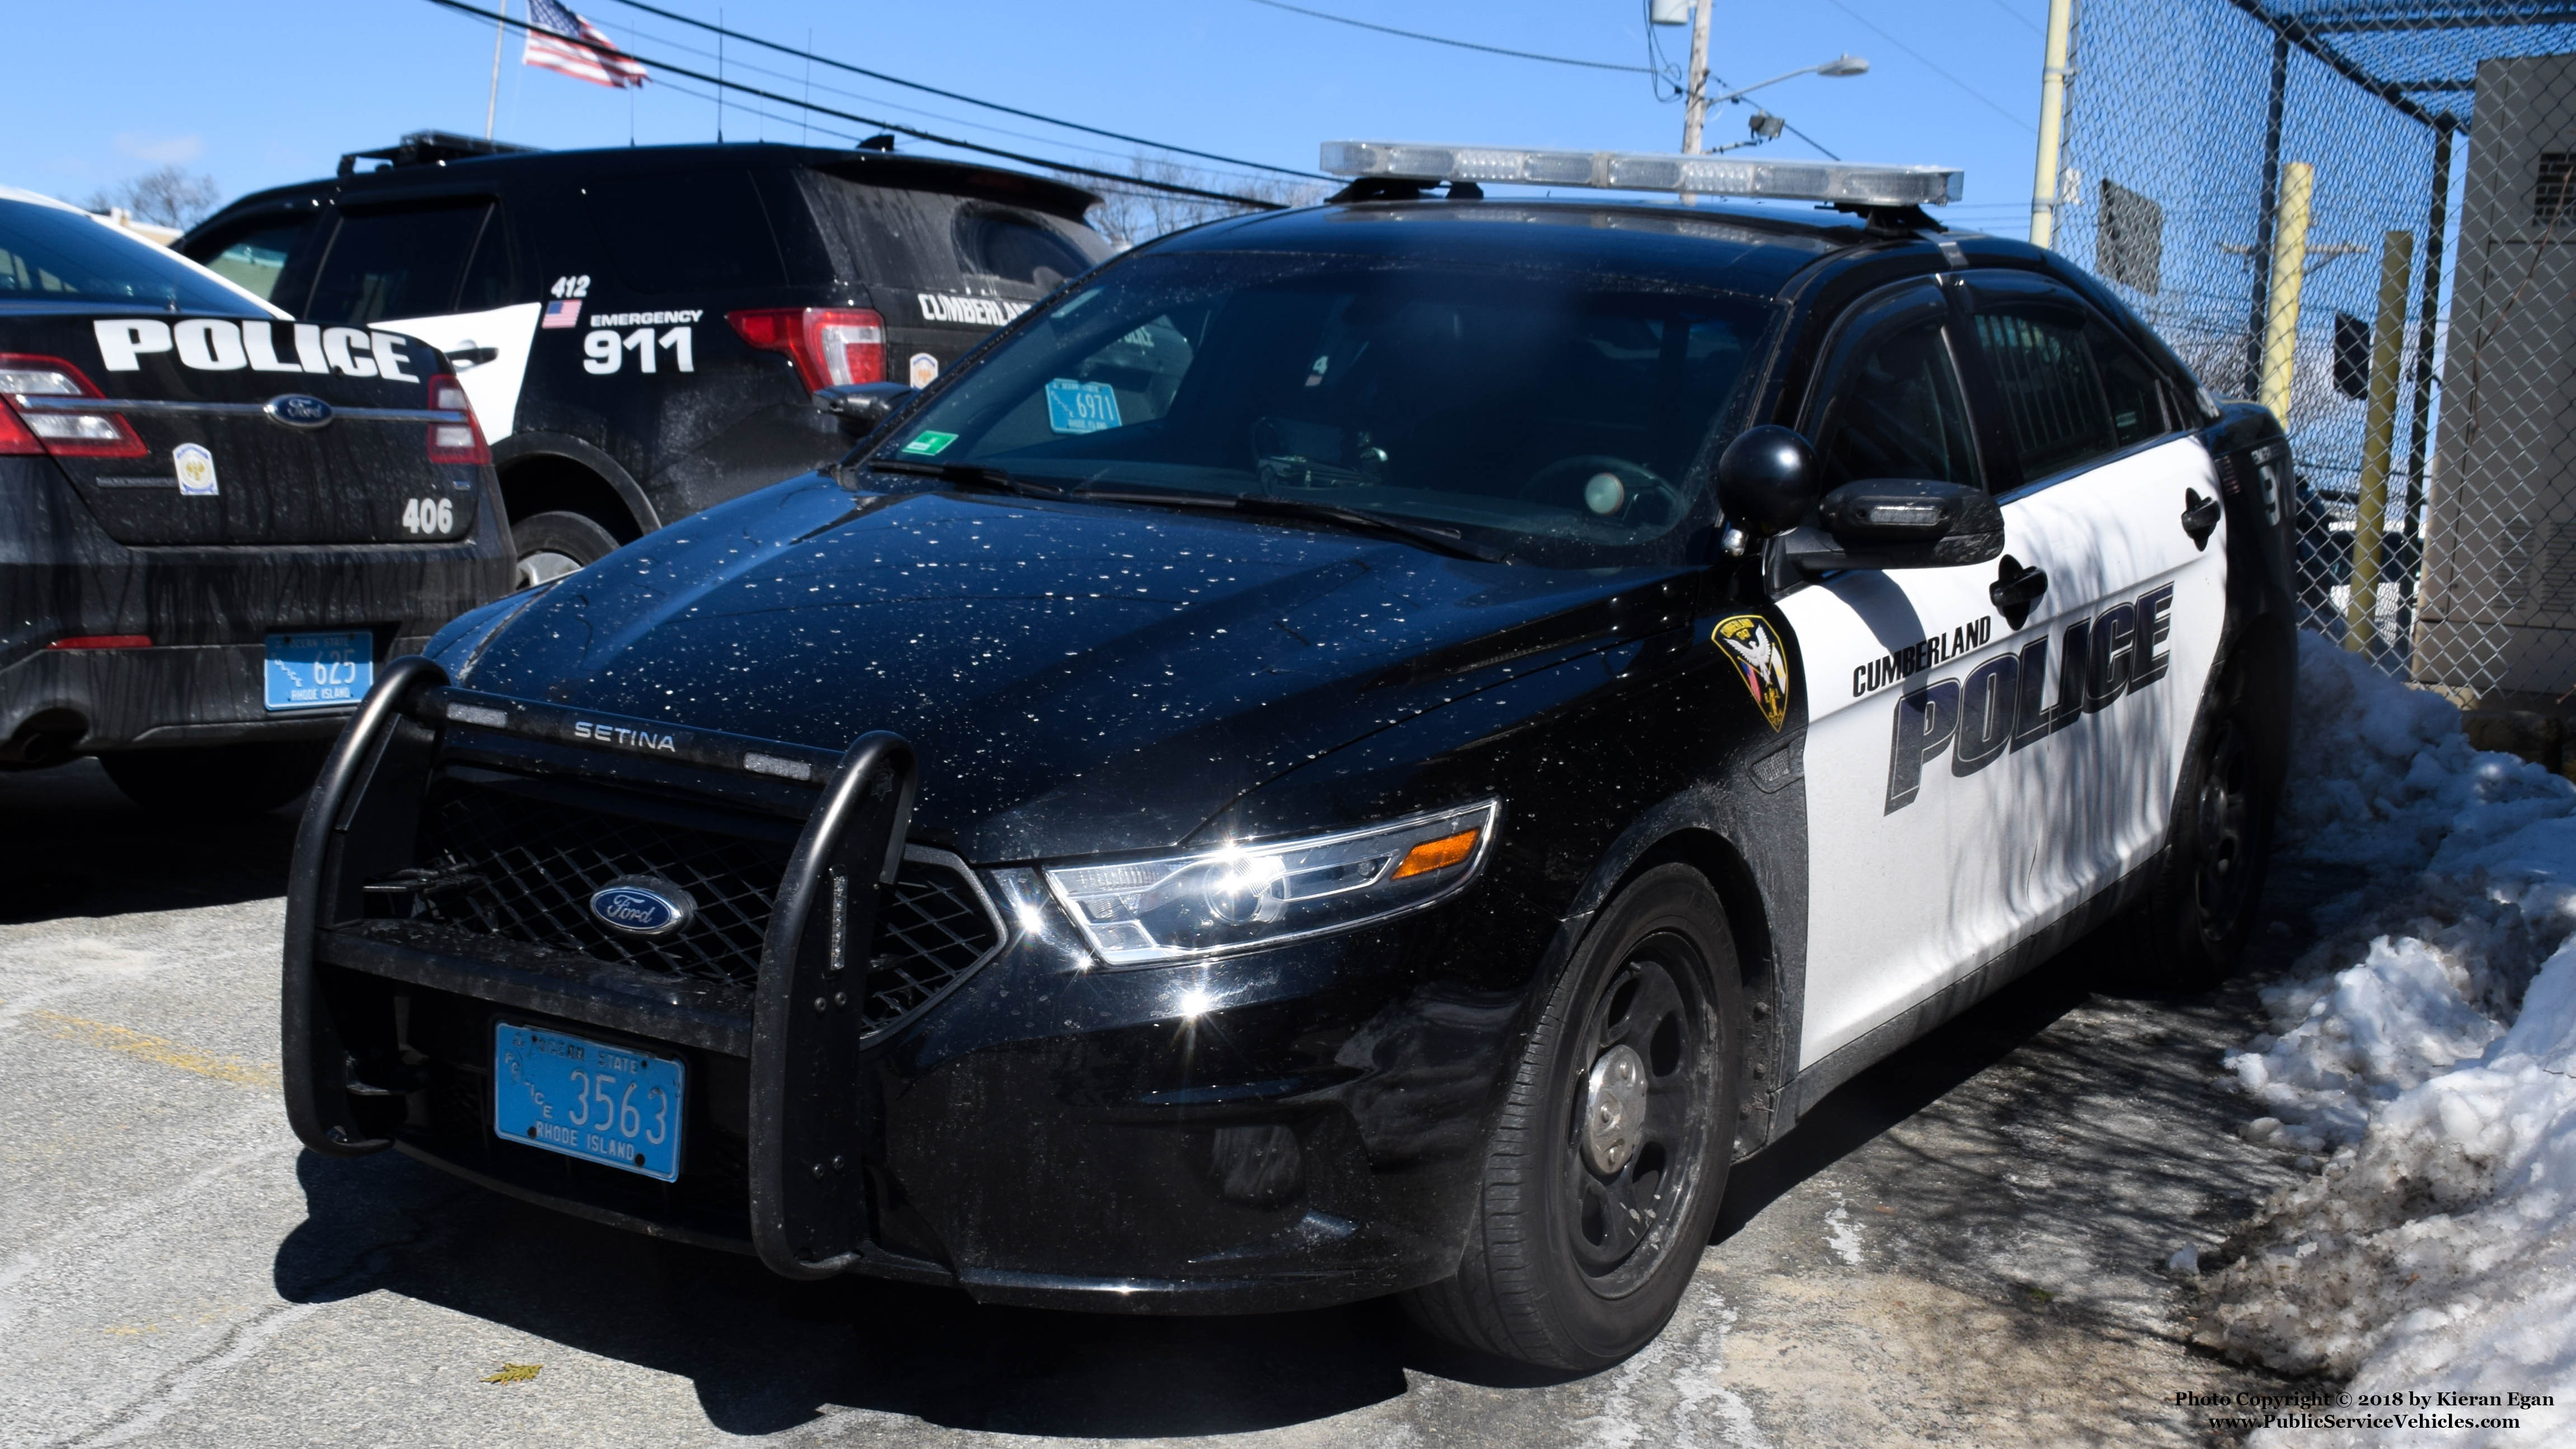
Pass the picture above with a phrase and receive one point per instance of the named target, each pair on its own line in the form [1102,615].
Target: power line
[1173,187]
[1444,40]
[1936,70]
[896,80]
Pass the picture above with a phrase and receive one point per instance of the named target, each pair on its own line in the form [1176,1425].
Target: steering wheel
[1606,488]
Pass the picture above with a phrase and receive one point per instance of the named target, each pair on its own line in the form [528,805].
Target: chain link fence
[2363,214]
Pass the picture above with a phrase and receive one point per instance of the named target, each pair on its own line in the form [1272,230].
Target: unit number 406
[429,515]
[606,351]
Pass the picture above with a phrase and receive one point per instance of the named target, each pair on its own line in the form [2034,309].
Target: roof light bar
[1843,181]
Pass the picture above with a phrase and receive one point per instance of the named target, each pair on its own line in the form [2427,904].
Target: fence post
[2289,270]
[2378,437]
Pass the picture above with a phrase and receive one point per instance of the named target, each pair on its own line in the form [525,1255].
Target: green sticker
[929,444]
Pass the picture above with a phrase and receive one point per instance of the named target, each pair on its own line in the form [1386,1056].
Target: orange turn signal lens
[1439,854]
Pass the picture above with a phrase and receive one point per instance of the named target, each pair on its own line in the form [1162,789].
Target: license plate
[586,1099]
[317,671]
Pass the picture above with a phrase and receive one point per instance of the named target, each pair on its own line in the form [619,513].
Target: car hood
[1074,677]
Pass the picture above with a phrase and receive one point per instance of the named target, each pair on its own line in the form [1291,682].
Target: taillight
[831,346]
[455,442]
[29,384]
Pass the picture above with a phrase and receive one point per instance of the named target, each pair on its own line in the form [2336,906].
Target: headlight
[1140,912]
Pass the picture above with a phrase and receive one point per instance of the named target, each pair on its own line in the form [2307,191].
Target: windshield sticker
[1755,651]
[1081,407]
[928,444]
[925,369]
[196,469]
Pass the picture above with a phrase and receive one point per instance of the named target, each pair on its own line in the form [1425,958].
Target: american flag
[594,57]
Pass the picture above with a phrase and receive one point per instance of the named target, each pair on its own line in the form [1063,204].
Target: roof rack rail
[1831,182]
[423,148]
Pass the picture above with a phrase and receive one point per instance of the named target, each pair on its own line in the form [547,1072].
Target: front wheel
[218,780]
[552,545]
[1603,1176]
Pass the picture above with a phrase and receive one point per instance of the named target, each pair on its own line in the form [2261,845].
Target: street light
[1766,126]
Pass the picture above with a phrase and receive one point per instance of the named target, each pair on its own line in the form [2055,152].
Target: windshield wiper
[1440,540]
[969,475]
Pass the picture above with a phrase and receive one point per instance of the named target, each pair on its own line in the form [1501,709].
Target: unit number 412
[605,351]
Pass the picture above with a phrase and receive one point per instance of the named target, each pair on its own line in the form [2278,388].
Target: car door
[2113,500]
[1902,893]
[442,270]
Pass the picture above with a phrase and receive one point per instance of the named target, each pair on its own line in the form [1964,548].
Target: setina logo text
[2003,704]
[625,736]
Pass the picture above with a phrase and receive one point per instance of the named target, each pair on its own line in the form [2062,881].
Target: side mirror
[1904,523]
[861,406]
[1766,482]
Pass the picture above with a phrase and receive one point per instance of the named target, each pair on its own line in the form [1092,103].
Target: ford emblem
[642,905]
[299,410]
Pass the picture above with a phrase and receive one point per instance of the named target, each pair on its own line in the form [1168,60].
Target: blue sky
[257,95]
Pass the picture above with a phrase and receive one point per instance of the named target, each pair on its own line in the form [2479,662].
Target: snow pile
[2426,1053]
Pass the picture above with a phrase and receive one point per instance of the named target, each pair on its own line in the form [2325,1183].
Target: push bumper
[1284,1129]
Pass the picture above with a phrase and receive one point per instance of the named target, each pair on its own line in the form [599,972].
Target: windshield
[51,255]
[1561,417]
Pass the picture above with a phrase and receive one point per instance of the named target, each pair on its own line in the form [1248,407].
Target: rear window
[399,263]
[1015,248]
[51,255]
[256,260]
[687,232]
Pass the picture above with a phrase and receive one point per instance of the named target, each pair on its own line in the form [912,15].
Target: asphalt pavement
[1966,1245]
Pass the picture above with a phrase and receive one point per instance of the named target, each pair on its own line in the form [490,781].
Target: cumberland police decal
[1755,652]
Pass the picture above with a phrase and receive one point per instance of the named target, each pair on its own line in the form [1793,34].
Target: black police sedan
[1373,749]
[215,522]
[642,329]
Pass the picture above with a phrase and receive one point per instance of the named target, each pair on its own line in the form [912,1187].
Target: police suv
[1369,749]
[642,330]
[214,521]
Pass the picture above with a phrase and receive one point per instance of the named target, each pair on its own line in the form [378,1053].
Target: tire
[2190,933]
[1555,1274]
[217,781]
[551,545]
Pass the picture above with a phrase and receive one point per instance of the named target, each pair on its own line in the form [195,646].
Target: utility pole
[2052,124]
[1695,100]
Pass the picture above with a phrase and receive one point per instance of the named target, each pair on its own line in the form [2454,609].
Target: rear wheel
[2191,931]
[552,545]
[1603,1177]
[217,780]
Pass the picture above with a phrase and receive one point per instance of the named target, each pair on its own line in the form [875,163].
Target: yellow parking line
[133,1043]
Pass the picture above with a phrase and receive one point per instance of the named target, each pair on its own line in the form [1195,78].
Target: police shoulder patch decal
[1755,651]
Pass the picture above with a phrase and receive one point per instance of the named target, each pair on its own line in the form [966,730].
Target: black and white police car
[214,521]
[1370,749]
[642,330]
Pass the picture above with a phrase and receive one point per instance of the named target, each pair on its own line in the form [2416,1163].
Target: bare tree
[1128,215]
[165,197]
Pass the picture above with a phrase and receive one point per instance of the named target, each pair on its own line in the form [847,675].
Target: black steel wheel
[551,545]
[1602,1178]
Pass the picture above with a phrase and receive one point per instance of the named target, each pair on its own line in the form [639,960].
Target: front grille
[524,864]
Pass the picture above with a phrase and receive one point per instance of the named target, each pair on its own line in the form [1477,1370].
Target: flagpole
[492,102]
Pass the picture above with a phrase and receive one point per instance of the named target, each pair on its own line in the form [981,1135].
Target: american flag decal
[578,49]
[563,314]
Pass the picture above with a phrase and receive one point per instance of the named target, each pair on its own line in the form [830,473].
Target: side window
[2052,392]
[492,278]
[1894,411]
[701,230]
[1015,248]
[2137,400]
[399,263]
[255,258]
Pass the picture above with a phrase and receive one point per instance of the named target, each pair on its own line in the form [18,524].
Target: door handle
[2015,589]
[2199,518]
